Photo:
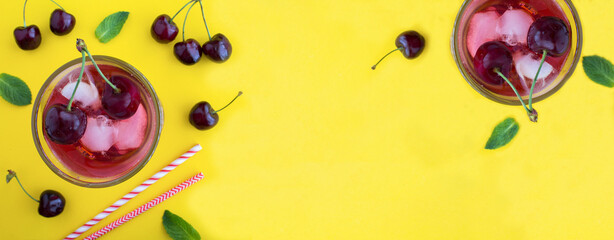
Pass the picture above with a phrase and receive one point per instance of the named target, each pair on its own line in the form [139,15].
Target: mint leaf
[599,69]
[14,90]
[111,26]
[178,228]
[503,133]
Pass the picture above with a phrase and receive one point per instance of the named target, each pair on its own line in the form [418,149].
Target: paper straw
[134,192]
[146,207]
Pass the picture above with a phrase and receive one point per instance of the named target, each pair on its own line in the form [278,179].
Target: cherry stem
[181,9]
[513,88]
[544,53]
[373,67]
[72,97]
[24,190]
[186,19]
[117,90]
[203,13]
[57,4]
[239,94]
[24,14]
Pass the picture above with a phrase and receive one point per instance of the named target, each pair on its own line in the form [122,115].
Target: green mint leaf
[503,133]
[178,228]
[111,26]
[14,90]
[10,176]
[599,69]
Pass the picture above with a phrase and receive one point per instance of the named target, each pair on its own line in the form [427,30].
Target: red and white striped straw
[145,207]
[134,192]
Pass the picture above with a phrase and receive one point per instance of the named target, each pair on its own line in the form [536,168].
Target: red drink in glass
[508,21]
[111,150]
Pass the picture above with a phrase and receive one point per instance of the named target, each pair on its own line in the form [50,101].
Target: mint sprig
[503,133]
[599,69]
[110,27]
[177,228]
[14,90]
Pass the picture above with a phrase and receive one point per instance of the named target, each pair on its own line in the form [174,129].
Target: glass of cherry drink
[526,41]
[101,140]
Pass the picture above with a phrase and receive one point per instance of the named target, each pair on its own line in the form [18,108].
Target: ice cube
[482,28]
[100,134]
[513,26]
[86,95]
[131,132]
[527,66]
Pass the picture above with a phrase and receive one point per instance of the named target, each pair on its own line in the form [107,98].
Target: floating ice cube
[527,66]
[131,132]
[513,26]
[100,134]
[482,28]
[86,95]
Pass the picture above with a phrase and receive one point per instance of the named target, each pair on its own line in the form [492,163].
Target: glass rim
[157,106]
[514,101]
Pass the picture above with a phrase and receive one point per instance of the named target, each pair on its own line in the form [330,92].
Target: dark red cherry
[550,34]
[203,117]
[122,104]
[27,38]
[61,22]
[51,203]
[63,126]
[490,56]
[411,42]
[218,49]
[163,29]
[188,52]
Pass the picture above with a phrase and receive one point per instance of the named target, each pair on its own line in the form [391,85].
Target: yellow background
[320,146]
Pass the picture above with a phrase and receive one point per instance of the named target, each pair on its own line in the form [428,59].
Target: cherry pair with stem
[29,37]
[493,60]
[50,203]
[66,124]
[164,30]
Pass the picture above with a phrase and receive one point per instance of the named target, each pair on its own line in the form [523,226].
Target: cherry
[188,52]
[120,97]
[63,125]
[120,104]
[203,117]
[410,43]
[27,38]
[493,63]
[218,48]
[490,56]
[163,29]
[61,22]
[550,34]
[50,204]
